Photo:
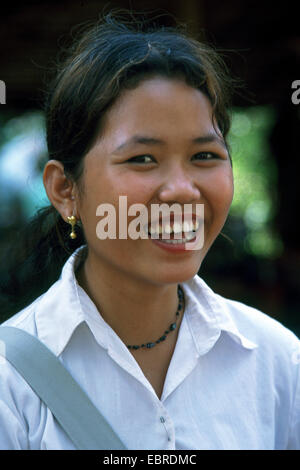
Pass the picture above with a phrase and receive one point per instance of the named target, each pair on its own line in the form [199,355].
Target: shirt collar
[66,305]
[209,315]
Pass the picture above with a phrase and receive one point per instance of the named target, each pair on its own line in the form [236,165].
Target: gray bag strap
[49,379]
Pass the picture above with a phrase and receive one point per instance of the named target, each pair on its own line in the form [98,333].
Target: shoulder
[276,345]
[277,355]
[19,404]
[26,318]
[57,297]
[276,361]
[17,399]
[260,327]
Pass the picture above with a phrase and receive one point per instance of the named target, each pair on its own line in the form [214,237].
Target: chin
[177,275]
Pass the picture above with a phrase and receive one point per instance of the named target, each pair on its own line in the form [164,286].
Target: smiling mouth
[174,232]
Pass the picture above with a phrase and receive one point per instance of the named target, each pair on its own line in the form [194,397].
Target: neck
[138,311]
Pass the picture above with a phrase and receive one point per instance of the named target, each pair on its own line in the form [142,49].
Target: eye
[206,156]
[141,159]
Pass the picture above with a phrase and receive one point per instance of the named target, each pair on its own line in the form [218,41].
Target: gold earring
[72,220]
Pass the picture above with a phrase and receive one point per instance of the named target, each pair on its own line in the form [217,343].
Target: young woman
[143,113]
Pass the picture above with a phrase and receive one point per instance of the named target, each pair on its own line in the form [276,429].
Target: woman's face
[158,145]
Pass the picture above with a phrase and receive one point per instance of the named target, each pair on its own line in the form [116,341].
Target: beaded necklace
[172,327]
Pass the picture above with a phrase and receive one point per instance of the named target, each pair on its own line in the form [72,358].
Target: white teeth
[156,229]
[176,242]
[168,228]
[187,227]
[177,227]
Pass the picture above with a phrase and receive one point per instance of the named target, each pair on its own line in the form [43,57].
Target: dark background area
[261,41]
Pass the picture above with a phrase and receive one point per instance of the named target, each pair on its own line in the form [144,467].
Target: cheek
[137,189]
[220,193]
[95,193]
[106,188]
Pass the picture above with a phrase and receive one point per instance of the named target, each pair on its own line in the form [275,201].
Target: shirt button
[162,419]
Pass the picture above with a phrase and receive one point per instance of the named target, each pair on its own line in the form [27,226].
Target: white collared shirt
[233,381]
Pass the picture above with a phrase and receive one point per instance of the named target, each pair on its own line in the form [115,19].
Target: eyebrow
[144,140]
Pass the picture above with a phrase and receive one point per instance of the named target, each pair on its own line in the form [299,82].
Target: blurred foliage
[22,155]
[255,180]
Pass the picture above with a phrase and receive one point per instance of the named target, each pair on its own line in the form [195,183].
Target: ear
[60,190]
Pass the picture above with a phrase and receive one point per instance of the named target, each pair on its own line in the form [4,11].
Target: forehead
[160,107]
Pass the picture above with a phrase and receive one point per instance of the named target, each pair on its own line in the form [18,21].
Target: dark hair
[114,54]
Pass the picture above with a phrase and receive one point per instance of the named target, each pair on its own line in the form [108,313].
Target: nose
[179,187]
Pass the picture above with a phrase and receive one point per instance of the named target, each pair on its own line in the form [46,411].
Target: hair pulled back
[116,53]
